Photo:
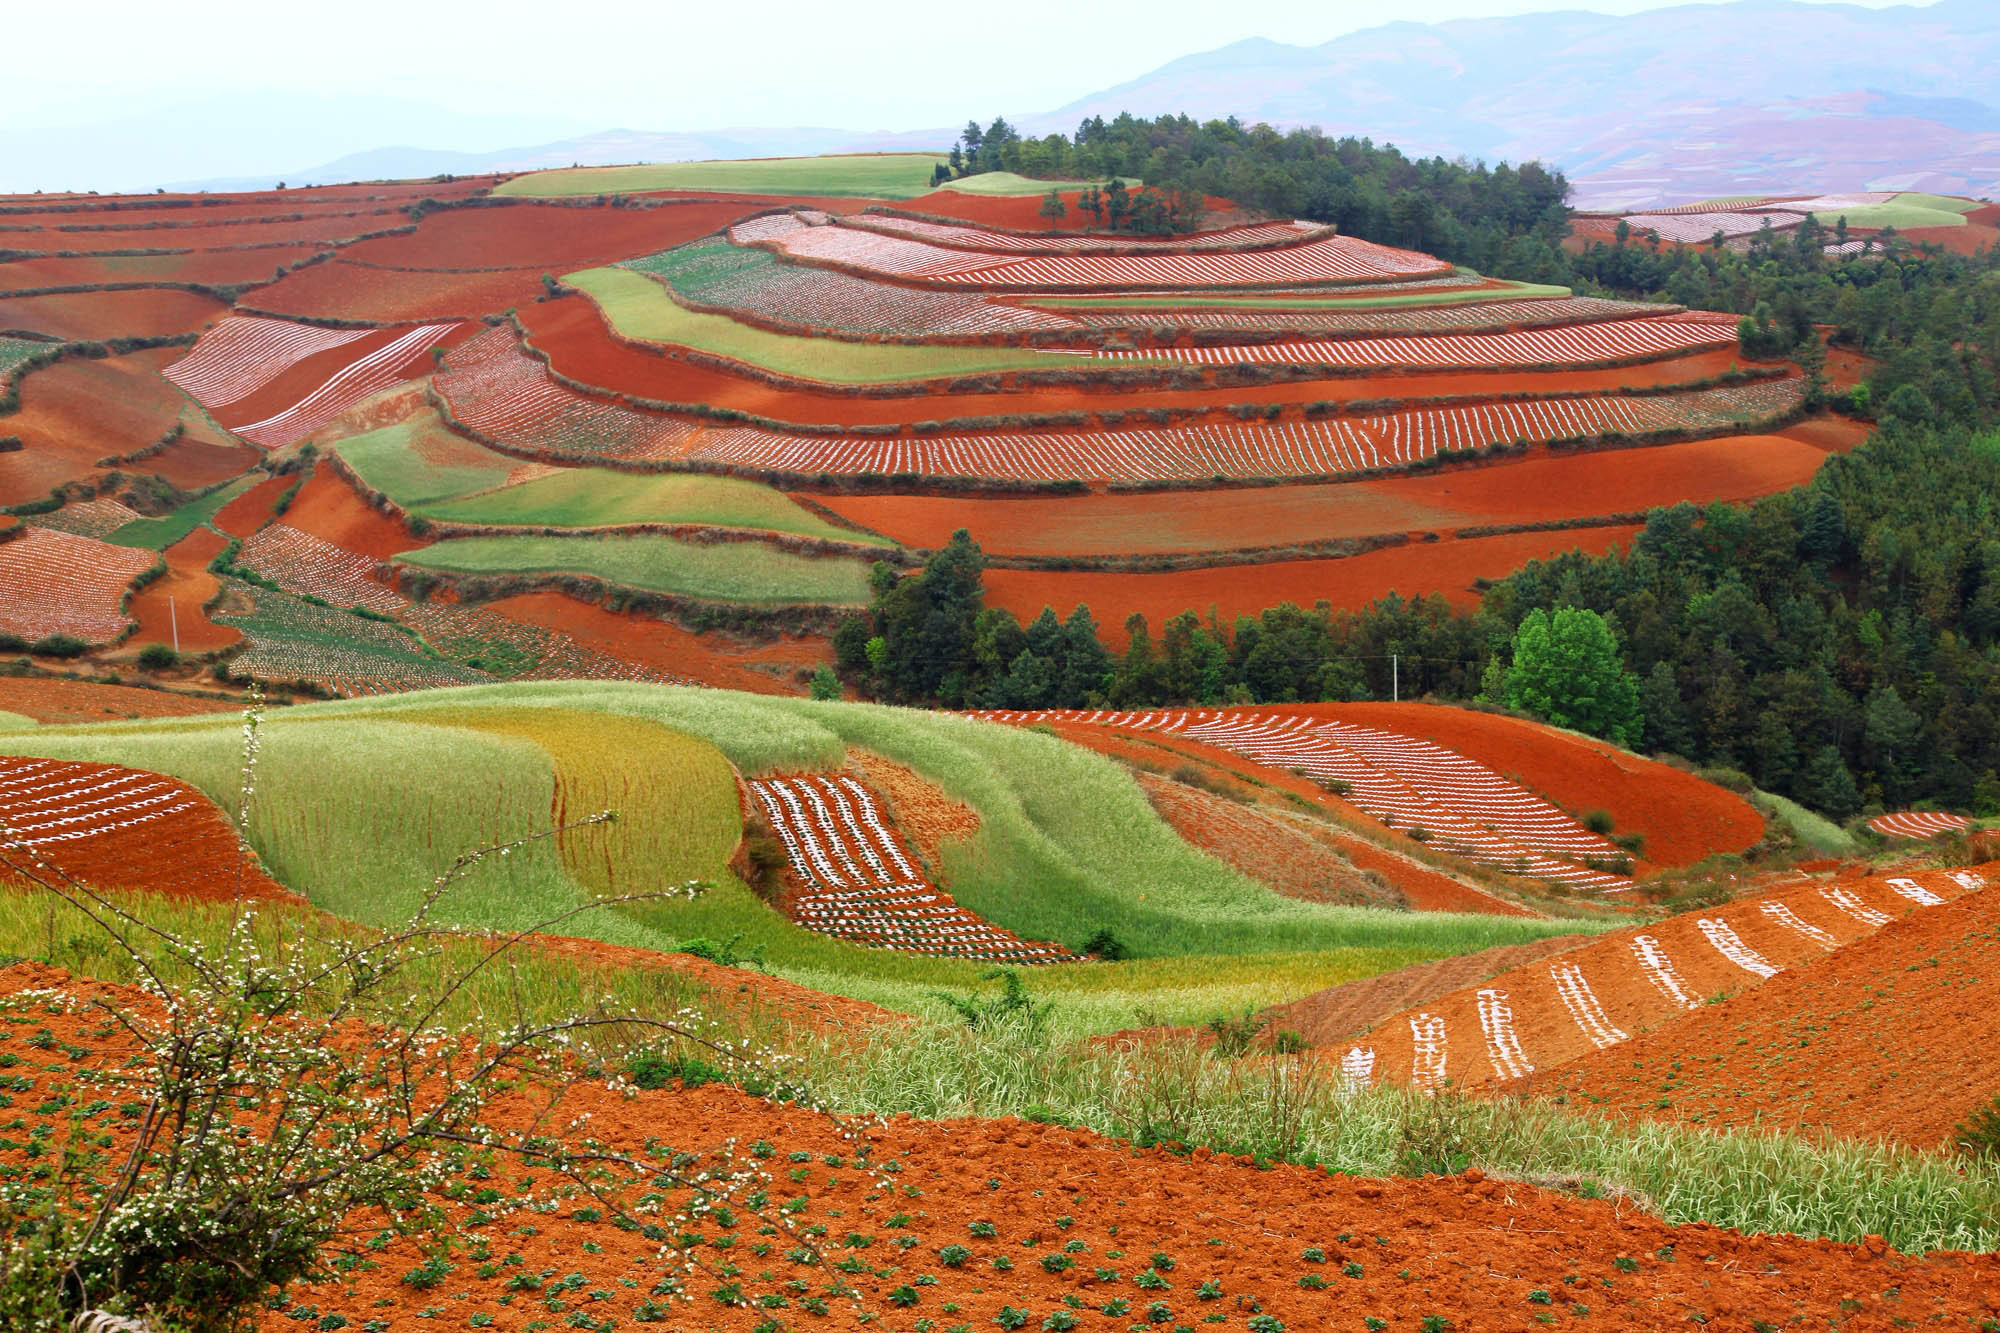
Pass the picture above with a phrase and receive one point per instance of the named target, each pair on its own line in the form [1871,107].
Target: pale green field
[639,308]
[717,572]
[419,461]
[1515,291]
[1906,211]
[157,534]
[1007,185]
[360,804]
[11,721]
[865,176]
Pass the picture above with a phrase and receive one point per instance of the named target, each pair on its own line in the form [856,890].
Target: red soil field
[1806,1049]
[60,701]
[141,831]
[190,585]
[579,346]
[1022,213]
[339,290]
[715,659]
[201,457]
[1980,232]
[215,267]
[1544,487]
[329,510]
[1449,567]
[251,510]
[545,237]
[57,583]
[327,228]
[1463,1248]
[1684,819]
[294,385]
[94,316]
[1835,435]
[78,411]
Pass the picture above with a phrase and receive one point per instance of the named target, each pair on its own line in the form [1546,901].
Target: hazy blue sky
[589,64]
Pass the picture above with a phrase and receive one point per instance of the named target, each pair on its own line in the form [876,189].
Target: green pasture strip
[157,534]
[10,721]
[418,462]
[1006,184]
[599,497]
[1816,831]
[1760,1182]
[1902,216]
[1948,203]
[858,176]
[638,308]
[1288,304]
[719,571]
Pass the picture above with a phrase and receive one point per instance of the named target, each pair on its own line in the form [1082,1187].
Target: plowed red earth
[580,347]
[340,290]
[200,458]
[57,701]
[295,383]
[78,411]
[328,509]
[545,237]
[1549,487]
[1683,818]
[1808,1047]
[94,316]
[1341,1013]
[1423,888]
[216,267]
[152,832]
[249,511]
[1978,233]
[189,586]
[1468,1250]
[714,659]
[1452,568]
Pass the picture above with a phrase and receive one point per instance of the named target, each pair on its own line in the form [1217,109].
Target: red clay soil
[1980,232]
[1425,889]
[1463,1249]
[251,510]
[545,237]
[339,290]
[329,509]
[298,381]
[716,659]
[202,457]
[1019,213]
[78,411]
[928,819]
[1835,435]
[221,268]
[1341,1013]
[1683,818]
[573,336]
[1807,1049]
[96,316]
[1545,487]
[1451,567]
[190,586]
[1604,993]
[139,830]
[62,702]
[1291,856]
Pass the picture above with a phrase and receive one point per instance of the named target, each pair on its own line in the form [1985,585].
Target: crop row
[44,803]
[1330,317]
[1918,824]
[60,583]
[373,368]
[1693,228]
[1567,344]
[1604,993]
[243,353]
[978,238]
[88,518]
[859,882]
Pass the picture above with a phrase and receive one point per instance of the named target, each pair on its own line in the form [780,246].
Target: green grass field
[1007,185]
[454,480]
[718,572]
[639,308]
[862,176]
[1906,211]
[157,534]
[359,804]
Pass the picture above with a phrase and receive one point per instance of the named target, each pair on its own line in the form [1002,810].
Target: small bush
[158,657]
[1599,822]
[59,645]
[1234,1035]
[1978,1135]
[1106,946]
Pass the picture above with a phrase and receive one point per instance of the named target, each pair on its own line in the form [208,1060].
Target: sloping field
[170,608]
[866,175]
[1887,1036]
[73,701]
[80,410]
[1575,344]
[118,828]
[1599,996]
[338,289]
[55,583]
[95,316]
[542,237]
[728,571]
[1918,824]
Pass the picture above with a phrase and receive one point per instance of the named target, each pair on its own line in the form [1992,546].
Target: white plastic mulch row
[1918,824]
[243,353]
[43,802]
[367,374]
[1568,344]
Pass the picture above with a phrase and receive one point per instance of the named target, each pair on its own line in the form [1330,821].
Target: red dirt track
[1450,568]
[190,586]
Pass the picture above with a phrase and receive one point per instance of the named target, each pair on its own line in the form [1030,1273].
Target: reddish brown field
[251,510]
[94,316]
[1016,214]
[1542,488]
[340,290]
[78,411]
[328,509]
[189,584]
[297,382]
[63,702]
[1450,567]
[1806,1049]
[545,237]
[201,457]
[215,267]
[714,659]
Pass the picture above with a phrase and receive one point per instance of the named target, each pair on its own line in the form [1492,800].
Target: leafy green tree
[1054,209]
[1566,670]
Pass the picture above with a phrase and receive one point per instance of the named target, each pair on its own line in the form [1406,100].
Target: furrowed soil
[1211,1232]
[189,587]
[1546,487]
[1339,1013]
[93,316]
[340,290]
[1896,1036]
[1452,568]
[78,411]
[545,237]
[60,702]
[715,658]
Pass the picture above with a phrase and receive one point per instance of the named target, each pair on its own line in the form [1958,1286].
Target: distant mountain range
[1654,108]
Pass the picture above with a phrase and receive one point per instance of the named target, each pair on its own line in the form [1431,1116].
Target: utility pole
[174,619]
[1395,678]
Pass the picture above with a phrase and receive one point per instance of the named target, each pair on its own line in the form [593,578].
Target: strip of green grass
[157,534]
[639,308]
[1516,291]
[719,572]
[419,462]
[1896,213]
[864,176]
[598,498]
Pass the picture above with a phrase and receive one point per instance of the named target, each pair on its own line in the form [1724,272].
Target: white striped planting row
[1568,344]
[1694,228]
[1918,824]
[978,238]
[43,802]
[1496,1009]
[1337,317]
[59,583]
[369,373]
[243,353]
